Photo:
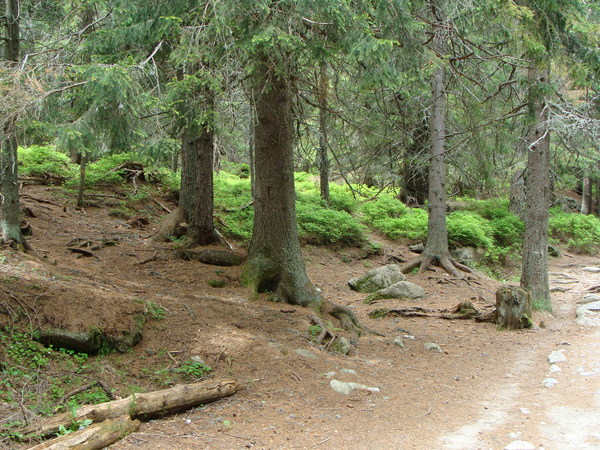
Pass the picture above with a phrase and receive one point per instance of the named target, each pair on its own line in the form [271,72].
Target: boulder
[377,279]
[344,388]
[402,289]
[468,255]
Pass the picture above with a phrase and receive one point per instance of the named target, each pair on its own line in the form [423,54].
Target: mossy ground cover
[346,219]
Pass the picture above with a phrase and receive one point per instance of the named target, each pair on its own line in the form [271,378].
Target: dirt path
[485,390]
[521,407]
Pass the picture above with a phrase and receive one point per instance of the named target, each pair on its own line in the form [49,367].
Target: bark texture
[196,197]
[275,263]
[415,179]
[513,307]
[10,209]
[323,140]
[586,195]
[534,276]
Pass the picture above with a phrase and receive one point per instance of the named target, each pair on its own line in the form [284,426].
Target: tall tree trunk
[436,248]
[586,195]
[275,263]
[196,196]
[323,141]
[534,275]
[10,209]
[81,187]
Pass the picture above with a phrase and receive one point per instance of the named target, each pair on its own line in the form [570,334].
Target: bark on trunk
[513,306]
[436,248]
[275,263]
[534,277]
[196,197]
[81,187]
[323,141]
[10,209]
[586,195]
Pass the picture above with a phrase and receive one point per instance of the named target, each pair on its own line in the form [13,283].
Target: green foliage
[320,225]
[313,332]
[193,370]
[384,206]
[104,171]
[232,193]
[469,229]
[581,233]
[45,160]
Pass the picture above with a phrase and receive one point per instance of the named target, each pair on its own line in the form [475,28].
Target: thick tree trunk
[196,196]
[275,263]
[586,195]
[513,308]
[534,277]
[10,209]
[323,141]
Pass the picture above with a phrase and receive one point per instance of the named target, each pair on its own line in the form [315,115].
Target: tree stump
[513,305]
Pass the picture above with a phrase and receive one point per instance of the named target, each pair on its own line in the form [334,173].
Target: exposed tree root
[424,262]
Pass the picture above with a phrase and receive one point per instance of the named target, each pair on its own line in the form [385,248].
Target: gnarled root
[424,262]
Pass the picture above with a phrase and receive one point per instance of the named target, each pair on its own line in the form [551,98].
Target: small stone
[525,411]
[329,374]
[408,336]
[554,368]
[550,382]
[593,269]
[399,342]
[305,353]
[348,371]
[520,445]
[432,346]
[342,345]
[515,435]
[556,356]
[197,359]
[344,388]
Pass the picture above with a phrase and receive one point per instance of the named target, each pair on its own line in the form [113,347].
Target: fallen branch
[96,436]
[40,200]
[139,406]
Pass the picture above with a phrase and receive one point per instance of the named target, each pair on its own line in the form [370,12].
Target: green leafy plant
[193,370]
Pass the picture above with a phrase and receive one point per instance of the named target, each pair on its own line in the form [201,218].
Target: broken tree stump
[139,406]
[513,306]
[94,437]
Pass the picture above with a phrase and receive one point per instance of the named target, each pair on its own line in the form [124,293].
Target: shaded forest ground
[425,398]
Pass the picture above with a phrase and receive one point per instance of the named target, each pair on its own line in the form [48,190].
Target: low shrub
[320,225]
[581,233]
[45,161]
[468,229]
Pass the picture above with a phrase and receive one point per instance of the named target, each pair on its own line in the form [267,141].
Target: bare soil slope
[469,396]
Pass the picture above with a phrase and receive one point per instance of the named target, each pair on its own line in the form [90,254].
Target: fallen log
[96,436]
[139,406]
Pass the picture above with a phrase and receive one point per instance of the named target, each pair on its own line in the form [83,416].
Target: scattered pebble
[556,356]
[329,374]
[348,371]
[408,336]
[550,382]
[344,388]
[554,368]
[432,346]
[520,445]
[305,353]
[399,342]
[525,411]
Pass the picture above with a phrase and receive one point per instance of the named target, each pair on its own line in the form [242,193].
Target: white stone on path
[554,368]
[593,269]
[556,356]
[520,445]
[550,382]
[344,388]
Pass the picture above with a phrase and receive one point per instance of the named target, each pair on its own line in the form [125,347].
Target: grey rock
[399,342]
[417,248]
[554,368]
[556,356]
[433,347]
[198,359]
[348,371]
[550,382]
[592,269]
[305,353]
[567,204]
[344,388]
[376,279]
[329,374]
[468,255]
[520,445]
[402,289]
[342,345]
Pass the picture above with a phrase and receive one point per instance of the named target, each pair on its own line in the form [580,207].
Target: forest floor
[485,390]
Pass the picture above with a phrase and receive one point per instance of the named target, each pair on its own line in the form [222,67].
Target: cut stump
[513,306]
